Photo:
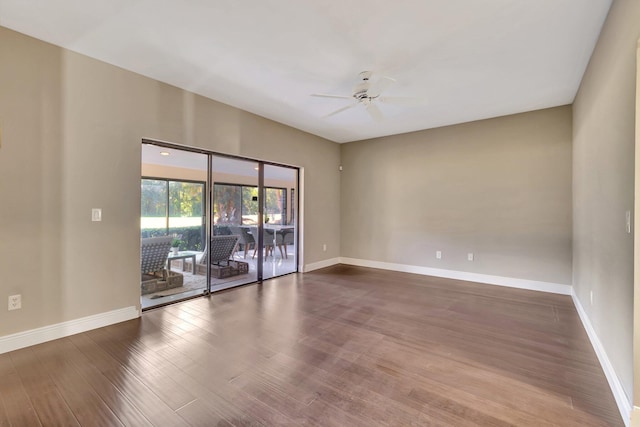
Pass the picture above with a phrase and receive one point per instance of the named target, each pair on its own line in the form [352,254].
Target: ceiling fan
[368,94]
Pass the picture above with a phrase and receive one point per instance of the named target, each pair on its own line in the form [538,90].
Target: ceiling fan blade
[402,100]
[341,109]
[380,86]
[322,95]
[375,112]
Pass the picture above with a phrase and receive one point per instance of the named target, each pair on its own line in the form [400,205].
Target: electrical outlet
[438,254]
[470,256]
[15,302]
[324,247]
[591,297]
[96,214]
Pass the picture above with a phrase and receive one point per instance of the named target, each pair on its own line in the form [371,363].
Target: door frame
[635,413]
[209,199]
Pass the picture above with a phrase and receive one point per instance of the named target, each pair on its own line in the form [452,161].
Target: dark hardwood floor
[343,346]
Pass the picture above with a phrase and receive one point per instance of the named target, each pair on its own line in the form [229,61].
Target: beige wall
[604,135]
[498,188]
[72,129]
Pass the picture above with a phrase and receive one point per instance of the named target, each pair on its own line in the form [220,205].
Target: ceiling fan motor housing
[361,91]
[365,75]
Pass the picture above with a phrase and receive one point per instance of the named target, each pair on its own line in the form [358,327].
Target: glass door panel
[280,222]
[153,206]
[187,214]
[172,206]
[234,243]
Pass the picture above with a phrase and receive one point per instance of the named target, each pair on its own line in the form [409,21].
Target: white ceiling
[468,59]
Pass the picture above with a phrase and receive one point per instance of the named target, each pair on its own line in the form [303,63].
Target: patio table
[182,255]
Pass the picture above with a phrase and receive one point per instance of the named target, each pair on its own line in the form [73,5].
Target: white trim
[301,219]
[636,245]
[321,264]
[623,402]
[635,417]
[65,329]
[534,285]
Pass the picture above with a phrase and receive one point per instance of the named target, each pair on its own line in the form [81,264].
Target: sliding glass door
[280,221]
[173,206]
[210,222]
[234,219]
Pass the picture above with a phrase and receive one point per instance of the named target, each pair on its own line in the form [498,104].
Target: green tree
[153,198]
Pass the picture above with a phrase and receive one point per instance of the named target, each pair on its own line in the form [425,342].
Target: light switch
[96,214]
[628,214]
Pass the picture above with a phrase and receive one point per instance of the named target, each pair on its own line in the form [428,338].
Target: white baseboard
[321,264]
[65,329]
[623,402]
[512,282]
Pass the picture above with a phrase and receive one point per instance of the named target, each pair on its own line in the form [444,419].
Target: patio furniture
[270,239]
[183,255]
[153,255]
[274,235]
[288,238]
[154,276]
[222,248]
[279,242]
[245,238]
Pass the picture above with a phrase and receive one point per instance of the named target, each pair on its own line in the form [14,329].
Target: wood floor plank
[142,397]
[167,390]
[4,418]
[328,384]
[126,412]
[228,403]
[209,404]
[198,414]
[44,395]
[338,346]
[88,408]
[462,382]
[18,410]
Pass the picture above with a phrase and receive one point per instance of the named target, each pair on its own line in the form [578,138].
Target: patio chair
[288,238]
[279,242]
[245,238]
[153,255]
[222,248]
[268,242]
